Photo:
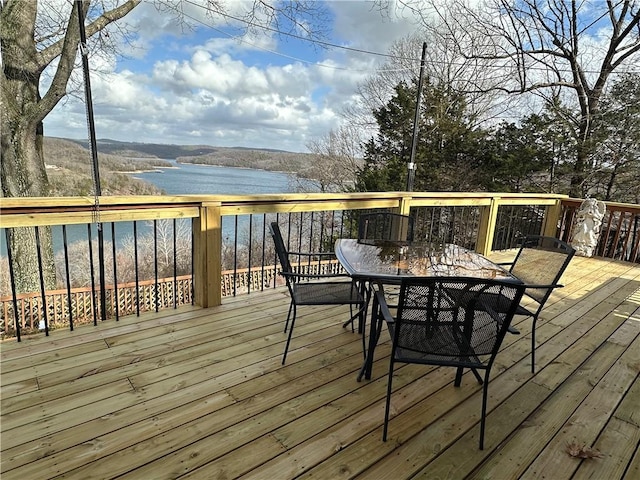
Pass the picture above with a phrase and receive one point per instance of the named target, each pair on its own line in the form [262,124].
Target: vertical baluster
[478,216]
[468,227]
[264,239]
[275,259]
[616,239]
[235,256]
[12,280]
[192,265]
[94,301]
[155,264]
[433,217]
[301,237]
[249,277]
[135,261]
[43,297]
[635,233]
[289,232]
[68,274]
[116,302]
[175,266]
[312,248]
[322,215]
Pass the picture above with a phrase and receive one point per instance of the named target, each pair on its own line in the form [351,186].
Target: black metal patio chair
[379,227]
[313,288]
[539,264]
[437,325]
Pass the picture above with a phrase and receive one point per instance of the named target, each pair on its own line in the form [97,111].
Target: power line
[350,49]
[298,37]
[290,57]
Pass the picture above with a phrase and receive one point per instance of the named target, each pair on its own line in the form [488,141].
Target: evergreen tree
[531,157]
[446,153]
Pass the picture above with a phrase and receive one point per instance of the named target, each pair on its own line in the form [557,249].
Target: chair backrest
[541,261]
[281,249]
[385,227]
[452,320]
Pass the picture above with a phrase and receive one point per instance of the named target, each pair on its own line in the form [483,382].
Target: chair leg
[485,388]
[533,344]
[362,326]
[374,335]
[291,306]
[458,379]
[293,322]
[362,309]
[388,402]
[477,375]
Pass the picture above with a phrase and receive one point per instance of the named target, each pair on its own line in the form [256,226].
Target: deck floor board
[201,394]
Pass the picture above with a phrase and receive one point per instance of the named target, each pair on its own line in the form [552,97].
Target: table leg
[374,334]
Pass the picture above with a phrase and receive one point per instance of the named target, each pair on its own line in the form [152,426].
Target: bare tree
[444,65]
[36,36]
[544,46]
[29,45]
[616,158]
[338,159]
[80,264]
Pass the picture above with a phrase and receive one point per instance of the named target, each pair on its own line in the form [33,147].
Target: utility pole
[411,167]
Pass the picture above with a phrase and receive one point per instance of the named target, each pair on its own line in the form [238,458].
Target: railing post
[207,254]
[552,216]
[405,206]
[486,230]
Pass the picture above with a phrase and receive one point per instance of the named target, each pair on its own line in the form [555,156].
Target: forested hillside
[69,170]
[273,160]
[263,159]
[140,150]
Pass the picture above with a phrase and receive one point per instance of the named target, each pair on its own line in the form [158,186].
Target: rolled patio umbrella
[94,157]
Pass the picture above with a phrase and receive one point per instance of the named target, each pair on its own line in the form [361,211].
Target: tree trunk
[578,175]
[24,175]
[23,171]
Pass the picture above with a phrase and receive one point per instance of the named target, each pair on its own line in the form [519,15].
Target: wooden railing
[620,232]
[78,306]
[477,220]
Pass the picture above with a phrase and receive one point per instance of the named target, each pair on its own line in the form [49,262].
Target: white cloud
[215,90]
[364,26]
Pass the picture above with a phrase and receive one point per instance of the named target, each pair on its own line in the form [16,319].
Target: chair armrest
[535,285]
[311,275]
[312,254]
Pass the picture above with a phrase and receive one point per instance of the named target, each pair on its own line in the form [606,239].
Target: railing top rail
[10,205]
[21,204]
[21,212]
[629,207]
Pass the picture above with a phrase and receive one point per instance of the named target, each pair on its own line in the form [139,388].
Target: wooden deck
[201,394]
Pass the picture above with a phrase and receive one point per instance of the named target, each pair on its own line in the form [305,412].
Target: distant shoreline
[290,172]
[152,170]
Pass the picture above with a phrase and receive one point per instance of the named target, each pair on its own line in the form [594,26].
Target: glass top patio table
[389,262]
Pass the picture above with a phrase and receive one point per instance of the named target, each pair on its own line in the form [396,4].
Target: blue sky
[216,84]
[211,85]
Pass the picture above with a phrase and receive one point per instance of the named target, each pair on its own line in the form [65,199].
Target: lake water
[211,180]
[203,179]
[185,179]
